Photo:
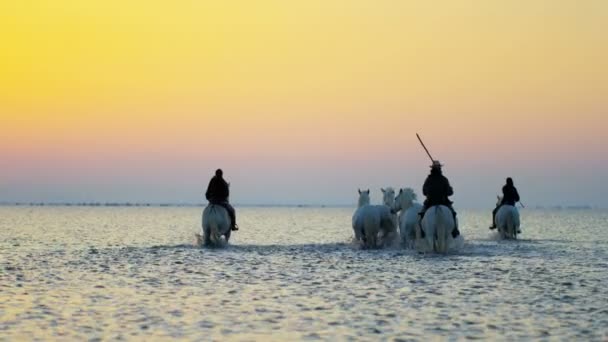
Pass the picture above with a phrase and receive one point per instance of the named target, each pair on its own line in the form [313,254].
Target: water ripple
[133,273]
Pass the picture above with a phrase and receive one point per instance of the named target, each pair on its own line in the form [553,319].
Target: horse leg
[227,235]
[374,240]
[411,239]
[430,242]
[207,236]
[371,240]
[419,240]
[426,241]
[445,235]
[367,240]
[216,234]
[439,239]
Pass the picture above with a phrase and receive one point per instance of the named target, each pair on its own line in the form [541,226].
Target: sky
[302,102]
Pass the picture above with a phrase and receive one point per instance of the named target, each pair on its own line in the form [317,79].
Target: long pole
[427,151]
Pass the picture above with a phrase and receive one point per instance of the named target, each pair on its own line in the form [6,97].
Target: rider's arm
[223,189]
[207,194]
[449,189]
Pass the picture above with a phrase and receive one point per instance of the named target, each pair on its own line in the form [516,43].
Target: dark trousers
[494,214]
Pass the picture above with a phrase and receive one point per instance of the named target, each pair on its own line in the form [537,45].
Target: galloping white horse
[369,220]
[507,220]
[408,216]
[388,199]
[437,224]
[216,222]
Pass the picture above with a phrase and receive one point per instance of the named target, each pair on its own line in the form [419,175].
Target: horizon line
[259,205]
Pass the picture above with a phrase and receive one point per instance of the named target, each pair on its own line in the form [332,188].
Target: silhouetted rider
[218,193]
[510,196]
[437,189]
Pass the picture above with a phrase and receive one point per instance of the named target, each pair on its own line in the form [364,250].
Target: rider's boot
[493,226]
[455,232]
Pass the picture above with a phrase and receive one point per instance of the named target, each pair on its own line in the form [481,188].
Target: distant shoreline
[202,205]
[128,204]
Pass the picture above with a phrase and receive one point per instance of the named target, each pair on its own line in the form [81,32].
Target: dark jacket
[217,191]
[437,189]
[510,195]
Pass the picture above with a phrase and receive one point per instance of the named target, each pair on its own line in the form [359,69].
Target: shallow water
[292,273]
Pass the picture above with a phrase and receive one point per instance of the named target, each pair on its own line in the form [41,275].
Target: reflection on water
[122,273]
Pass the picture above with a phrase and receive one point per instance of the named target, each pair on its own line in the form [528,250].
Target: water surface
[292,273]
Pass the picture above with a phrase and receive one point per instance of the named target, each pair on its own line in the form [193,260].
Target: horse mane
[410,193]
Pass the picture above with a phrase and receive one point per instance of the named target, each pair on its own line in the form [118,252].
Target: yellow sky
[130,76]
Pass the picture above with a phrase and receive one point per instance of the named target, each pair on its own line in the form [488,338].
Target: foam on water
[120,273]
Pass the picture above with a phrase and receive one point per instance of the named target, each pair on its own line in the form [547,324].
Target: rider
[510,196]
[437,189]
[217,193]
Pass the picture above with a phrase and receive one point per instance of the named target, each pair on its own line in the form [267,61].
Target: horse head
[405,198]
[363,197]
[388,197]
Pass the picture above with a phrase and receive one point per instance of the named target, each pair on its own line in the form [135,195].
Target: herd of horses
[398,219]
[395,221]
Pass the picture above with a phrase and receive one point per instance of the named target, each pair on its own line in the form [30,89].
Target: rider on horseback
[217,193]
[510,196]
[437,189]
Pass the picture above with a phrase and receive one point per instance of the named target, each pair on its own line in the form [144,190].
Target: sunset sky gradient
[302,101]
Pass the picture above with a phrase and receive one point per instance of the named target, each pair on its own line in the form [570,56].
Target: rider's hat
[436,164]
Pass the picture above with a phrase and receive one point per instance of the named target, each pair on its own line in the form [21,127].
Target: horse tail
[441,231]
[212,230]
[510,225]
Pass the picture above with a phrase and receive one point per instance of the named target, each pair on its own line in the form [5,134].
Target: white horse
[408,216]
[507,220]
[369,220]
[437,224]
[216,222]
[388,199]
